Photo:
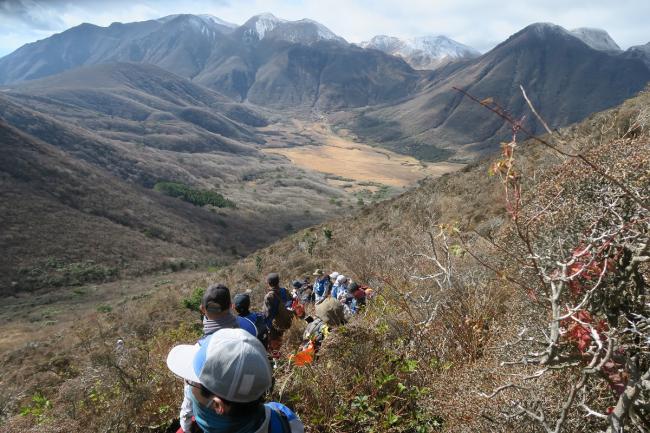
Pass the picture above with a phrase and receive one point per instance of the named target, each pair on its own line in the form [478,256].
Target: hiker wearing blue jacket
[255,323]
[229,375]
[322,286]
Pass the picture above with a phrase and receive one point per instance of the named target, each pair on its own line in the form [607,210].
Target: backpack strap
[279,422]
[251,322]
[283,419]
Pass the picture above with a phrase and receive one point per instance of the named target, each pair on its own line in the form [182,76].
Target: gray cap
[231,363]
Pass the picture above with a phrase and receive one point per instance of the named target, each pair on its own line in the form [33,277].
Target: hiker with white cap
[217,315]
[340,286]
[229,374]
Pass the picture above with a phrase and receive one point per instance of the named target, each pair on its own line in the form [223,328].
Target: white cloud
[477,23]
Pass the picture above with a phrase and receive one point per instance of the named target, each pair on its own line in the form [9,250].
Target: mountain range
[267,61]
[303,66]
[566,78]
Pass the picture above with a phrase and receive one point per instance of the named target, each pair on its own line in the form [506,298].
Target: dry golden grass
[341,156]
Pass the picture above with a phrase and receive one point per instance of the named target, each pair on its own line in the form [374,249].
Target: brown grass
[339,155]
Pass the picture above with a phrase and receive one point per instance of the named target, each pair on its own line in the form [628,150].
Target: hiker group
[228,371]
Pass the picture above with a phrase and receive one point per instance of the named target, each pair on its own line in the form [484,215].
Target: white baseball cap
[231,363]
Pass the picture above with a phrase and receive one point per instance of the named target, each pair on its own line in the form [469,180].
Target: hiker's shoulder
[281,419]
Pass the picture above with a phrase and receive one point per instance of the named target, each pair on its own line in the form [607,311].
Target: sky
[479,24]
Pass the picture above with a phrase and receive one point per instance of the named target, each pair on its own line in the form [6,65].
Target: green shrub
[198,197]
[38,408]
[194,301]
[104,309]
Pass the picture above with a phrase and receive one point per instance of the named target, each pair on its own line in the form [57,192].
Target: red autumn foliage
[578,332]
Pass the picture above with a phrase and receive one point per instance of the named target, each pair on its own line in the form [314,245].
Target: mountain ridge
[424,52]
[566,78]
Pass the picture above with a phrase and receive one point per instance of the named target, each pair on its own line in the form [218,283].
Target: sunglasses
[204,391]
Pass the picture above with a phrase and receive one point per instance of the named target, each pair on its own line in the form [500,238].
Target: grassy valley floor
[339,155]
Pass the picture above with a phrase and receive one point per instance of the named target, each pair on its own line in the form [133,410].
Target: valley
[351,163]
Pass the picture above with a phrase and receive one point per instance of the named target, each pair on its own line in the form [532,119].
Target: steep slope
[66,221]
[566,80]
[424,52]
[433,370]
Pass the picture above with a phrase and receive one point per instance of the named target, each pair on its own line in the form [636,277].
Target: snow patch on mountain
[304,31]
[598,39]
[265,23]
[322,31]
[217,20]
[643,48]
[424,52]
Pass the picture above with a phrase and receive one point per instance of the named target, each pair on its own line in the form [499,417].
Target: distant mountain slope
[60,209]
[598,39]
[122,93]
[267,60]
[641,52]
[566,79]
[425,52]
[178,43]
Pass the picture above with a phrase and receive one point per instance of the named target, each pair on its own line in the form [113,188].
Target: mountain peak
[263,23]
[268,16]
[422,52]
[598,39]
[544,28]
[217,20]
[304,31]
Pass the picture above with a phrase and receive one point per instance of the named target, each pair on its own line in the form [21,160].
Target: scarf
[212,326]
[212,422]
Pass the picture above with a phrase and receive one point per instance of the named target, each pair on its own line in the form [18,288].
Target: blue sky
[480,24]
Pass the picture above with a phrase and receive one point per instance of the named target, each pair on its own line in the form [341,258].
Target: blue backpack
[320,287]
[283,419]
[261,329]
[284,296]
[247,325]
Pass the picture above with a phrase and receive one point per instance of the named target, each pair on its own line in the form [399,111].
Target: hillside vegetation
[85,150]
[457,291]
